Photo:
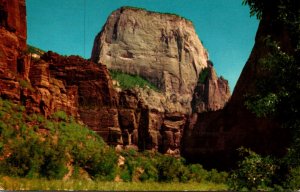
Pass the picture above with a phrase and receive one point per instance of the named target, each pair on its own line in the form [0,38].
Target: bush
[254,172]
[293,181]
[197,173]
[203,75]
[29,152]
[172,169]
[34,50]
[217,177]
[60,115]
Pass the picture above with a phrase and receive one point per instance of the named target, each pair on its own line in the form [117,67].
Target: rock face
[12,13]
[148,128]
[12,46]
[212,93]
[213,137]
[165,50]
[83,89]
[162,48]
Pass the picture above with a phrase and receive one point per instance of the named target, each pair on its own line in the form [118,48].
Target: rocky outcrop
[12,46]
[162,48]
[147,128]
[13,19]
[212,138]
[211,93]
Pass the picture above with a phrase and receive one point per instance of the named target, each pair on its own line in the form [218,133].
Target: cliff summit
[162,48]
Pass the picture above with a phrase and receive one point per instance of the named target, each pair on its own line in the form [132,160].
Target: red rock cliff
[84,89]
[12,46]
[212,94]
[213,137]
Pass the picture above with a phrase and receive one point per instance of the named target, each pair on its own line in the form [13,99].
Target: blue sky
[224,27]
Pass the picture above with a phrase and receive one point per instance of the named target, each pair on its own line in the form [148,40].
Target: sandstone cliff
[211,93]
[162,48]
[213,137]
[83,89]
[165,50]
[171,57]
[12,46]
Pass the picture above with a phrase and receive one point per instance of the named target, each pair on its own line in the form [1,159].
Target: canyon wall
[212,138]
[12,46]
[171,57]
[165,50]
[162,48]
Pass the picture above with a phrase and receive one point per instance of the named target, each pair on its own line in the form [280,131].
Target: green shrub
[30,153]
[34,50]
[217,177]
[203,75]
[126,175]
[293,181]
[150,172]
[141,166]
[60,115]
[172,169]
[197,173]
[254,172]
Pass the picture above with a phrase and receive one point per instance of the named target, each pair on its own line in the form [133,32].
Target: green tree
[278,82]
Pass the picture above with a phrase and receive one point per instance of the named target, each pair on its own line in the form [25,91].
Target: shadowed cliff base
[213,138]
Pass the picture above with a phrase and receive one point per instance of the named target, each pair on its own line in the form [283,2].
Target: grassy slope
[37,153]
[128,81]
[9,183]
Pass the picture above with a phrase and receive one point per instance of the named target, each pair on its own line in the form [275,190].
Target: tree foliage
[254,171]
[278,88]
[277,92]
[281,8]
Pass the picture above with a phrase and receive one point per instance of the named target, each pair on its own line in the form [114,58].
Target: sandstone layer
[12,46]
[162,48]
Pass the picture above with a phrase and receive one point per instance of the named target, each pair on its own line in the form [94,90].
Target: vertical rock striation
[162,48]
[12,46]
[211,93]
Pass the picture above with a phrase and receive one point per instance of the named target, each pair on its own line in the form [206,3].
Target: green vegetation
[9,183]
[149,167]
[276,97]
[128,81]
[33,147]
[254,172]
[36,153]
[166,13]
[203,75]
[34,50]
[25,84]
